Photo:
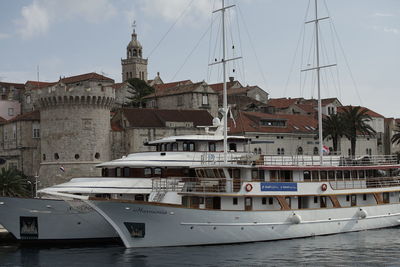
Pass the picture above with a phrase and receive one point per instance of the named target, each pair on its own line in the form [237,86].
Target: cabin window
[323,202]
[299,150]
[386,197]
[353,200]
[348,198]
[331,175]
[254,175]
[235,201]
[232,147]
[270,200]
[323,175]
[361,174]
[205,100]
[174,146]
[104,172]
[139,197]
[315,176]
[264,201]
[315,199]
[210,173]
[157,171]
[211,147]
[289,201]
[354,174]
[307,175]
[147,172]
[167,147]
[126,172]
[339,175]
[191,146]
[118,172]
[346,175]
[364,197]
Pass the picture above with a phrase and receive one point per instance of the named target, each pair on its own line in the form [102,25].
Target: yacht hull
[157,225]
[47,220]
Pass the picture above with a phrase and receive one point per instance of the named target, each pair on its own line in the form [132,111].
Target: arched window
[299,150]
[315,150]
[134,52]
[97,155]
[282,151]
[278,151]
[259,151]
[56,156]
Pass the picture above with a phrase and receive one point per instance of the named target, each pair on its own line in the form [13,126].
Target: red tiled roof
[85,77]
[143,117]
[115,127]
[171,84]
[16,85]
[368,111]
[282,103]
[220,86]
[251,122]
[179,89]
[307,108]
[38,84]
[117,85]
[30,116]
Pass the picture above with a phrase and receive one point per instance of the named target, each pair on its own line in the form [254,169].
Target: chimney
[231,79]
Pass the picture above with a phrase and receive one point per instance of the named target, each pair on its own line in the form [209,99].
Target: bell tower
[134,66]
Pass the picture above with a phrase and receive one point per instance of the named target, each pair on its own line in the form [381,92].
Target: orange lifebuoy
[324,187]
[249,187]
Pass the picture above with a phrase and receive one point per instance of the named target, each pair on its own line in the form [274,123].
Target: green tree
[355,120]
[13,183]
[138,89]
[396,137]
[332,126]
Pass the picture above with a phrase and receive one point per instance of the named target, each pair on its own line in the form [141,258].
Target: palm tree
[13,183]
[396,137]
[138,90]
[355,121]
[332,126]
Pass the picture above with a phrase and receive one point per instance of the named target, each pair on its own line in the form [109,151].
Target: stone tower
[134,66]
[75,127]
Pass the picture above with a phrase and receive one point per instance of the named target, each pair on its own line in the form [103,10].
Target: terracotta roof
[180,89]
[142,117]
[117,85]
[85,77]
[38,84]
[307,108]
[327,101]
[251,122]
[242,101]
[30,116]
[368,111]
[171,84]
[282,103]
[16,85]
[220,86]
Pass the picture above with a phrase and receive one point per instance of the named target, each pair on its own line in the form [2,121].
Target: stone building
[132,128]
[198,96]
[75,126]
[20,143]
[134,66]
[10,95]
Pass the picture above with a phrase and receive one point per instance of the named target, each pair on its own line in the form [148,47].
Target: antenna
[134,26]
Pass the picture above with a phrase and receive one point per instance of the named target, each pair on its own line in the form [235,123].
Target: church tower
[134,66]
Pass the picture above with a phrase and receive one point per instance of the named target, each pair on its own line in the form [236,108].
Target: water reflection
[375,247]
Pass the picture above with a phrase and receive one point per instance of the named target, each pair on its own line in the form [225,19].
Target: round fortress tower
[75,127]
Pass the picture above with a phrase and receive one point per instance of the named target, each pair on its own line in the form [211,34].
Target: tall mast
[224,61]
[318,68]
[319,85]
[225,98]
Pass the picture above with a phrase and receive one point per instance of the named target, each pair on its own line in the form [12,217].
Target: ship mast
[318,68]
[224,61]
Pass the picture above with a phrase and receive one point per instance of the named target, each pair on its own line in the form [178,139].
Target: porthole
[76,156]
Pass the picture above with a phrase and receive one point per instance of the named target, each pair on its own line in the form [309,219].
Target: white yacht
[269,198]
[60,215]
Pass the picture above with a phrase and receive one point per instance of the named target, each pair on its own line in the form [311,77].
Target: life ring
[249,187]
[324,187]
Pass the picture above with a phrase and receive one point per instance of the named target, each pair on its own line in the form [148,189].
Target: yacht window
[139,197]
[126,172]
[339,175]
[232,147]
[289,201]
[147,172]
[323,175]
[307,175]
[354,174]
[315,199]
[192,146]
[254,175]
[235,201]
[211,147]
[348,198]
[264,201]
[185,146]
[118,172]
[331,175]
[157,171]
[217,173]
[386,197]
[221,173]
[104,172]
[346,175]
[174,146]
[167,147]
[315,176]
[158,148]
[270,200]
[361,174]
[364,197]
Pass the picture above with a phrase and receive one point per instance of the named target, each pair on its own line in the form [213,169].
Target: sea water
[365,248]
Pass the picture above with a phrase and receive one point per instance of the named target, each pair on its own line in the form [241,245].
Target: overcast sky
[78,36]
